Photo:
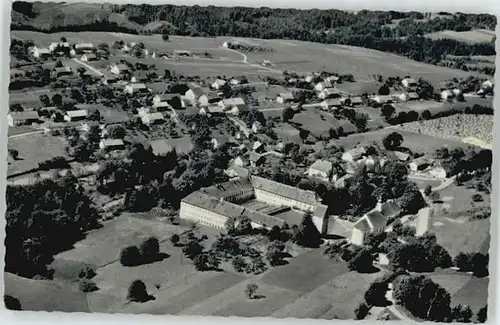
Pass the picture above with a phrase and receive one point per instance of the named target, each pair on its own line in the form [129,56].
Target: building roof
[254,157]
[287,95]
[233,101]
[112,142]
[421,161]
[219,82]
[383,98]
[90,56]
[43,50]
[166,97]
[326,83]
[211,95]
[198,91]
[409,80]
[155,116]
[137,85]
[227,189]
[237,171]
[294,193]
[122,67]
[331,91]
[320,211]
[356,152]
[23,116]
[322,166]
[213,109]
[362,224]
[84,46]
[221,139]
[375,220]
[332,102]
[77,113]
[256,145]
[164,146]
[413,95]
[62,69]
[390,209]
[229,210]
[403,156]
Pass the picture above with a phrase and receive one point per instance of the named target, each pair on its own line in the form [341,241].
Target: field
[304,57]
[472,36]
[458,127]
[414,141]
[319,123]
[34,149]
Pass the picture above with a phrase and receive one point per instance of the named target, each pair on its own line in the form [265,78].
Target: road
[245,60]
[240,124]
[24,134]
[91,68]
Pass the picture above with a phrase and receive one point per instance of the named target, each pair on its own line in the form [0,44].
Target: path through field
[91,68]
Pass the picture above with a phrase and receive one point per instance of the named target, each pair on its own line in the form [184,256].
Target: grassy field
[34,149]
[286,55]
[472,36]
[318,122]
[414,141]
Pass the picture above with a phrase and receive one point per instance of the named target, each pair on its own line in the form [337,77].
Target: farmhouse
[40,53]
[119,69]
[240,161]
[152,118]
[162,99]
[111,144]
[54,45]
[233,105]
[258,147]
[256,159]
[329,93]
[320,86]
[321,169]
[219,140]
[409,83]
[61,71]
[420,164]
[218,84]
[213,109]
[353,154]
[285,98]
[136,88]
[351,101]
[139,76]
[331,103]
[383,99]
[84,47]
[210,98]
[408,96]
[374,221]
[193,94]
[108,80]
[88,57]
[22,118]
[76,115]
[446,94]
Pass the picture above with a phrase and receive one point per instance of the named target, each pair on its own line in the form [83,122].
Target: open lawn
[319,123]
[34,149]
[414,141]
[472,36]
[286,55]
[20,130]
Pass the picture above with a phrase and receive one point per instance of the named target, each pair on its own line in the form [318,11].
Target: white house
[373,222]
[233,105]
[409,83]
[22,118]
[88,57]
[323,85]
[353,154]
[211,98]
[218,84]
[438,172]
[40,53]
[193,94]
[77,115]
[218,141]
[152,118]
[420,164]
[331,103]
[136,88]
[119,69]
[285,98]
[309,78]
[84,47]
[256,127]
[213,109]
[321,169]
[329,93]
[111,144]
[383,99]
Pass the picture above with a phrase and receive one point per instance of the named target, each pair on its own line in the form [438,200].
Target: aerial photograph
[254,162]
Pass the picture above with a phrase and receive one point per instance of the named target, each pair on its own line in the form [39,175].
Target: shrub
[88,286]
[251,289]
[361,311]
[150,249]
[11,303]
[87,273]
[477,198]
[130,256]
[137,292]
[175,239]
[239,264]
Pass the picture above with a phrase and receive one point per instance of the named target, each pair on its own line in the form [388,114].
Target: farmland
[455,127]
[472,36]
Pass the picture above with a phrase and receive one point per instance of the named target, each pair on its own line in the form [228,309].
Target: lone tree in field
[175,239]
[165,37]
[387,111]
[137,292]
[288,114]
[251,289]
[130,256]
[482,314]
[384,90]
[14,153]
[393,141]
[11,303]
[361,311]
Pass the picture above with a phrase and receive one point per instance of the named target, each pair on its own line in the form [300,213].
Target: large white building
[212,206]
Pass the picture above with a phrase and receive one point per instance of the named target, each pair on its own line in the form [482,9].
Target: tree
[387,111]
[201,262]
[165,37]
[11,303]
[288,114]
[63,39]
[88,286]
[150,248]
[482,314]
[239,264]
[393,141]
[304,134]
[384,90]
[428,190]
[362,261]
[16,108]
[174,239]
[308,235]
[137,292]
[274,252]
[461,314]
[375,295]
[59,64]
[14,153]
[45,100]
[361,311]
[130,256]
[117,132]
[57,100]
[463,261]
[250,290]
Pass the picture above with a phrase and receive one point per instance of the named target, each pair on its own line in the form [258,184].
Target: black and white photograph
[208,160]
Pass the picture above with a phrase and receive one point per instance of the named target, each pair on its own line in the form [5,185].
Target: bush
[137,292]
[150,249]
[130,256]
[361,311]
[477,198]
[251,289]
[87,273]
[11,303]
[175,239]
[88,286]
[239,264]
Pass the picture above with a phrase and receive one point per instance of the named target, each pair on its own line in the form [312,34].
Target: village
[369,164]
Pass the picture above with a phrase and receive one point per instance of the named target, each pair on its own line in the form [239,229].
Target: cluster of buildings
[63,48]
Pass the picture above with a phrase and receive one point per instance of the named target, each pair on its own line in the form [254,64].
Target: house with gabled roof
[420,163]
[153,118]
[329,93]
[409,83]
[87,57]
[321,169]
[119,69]
[218,84]
[233,105]
[286,97]
[61,71]
[111,144]
[139,76]
[256,159]
[76,115]
[320,86]
[351,101]
[209,99]
[331,103]
[374,222]
[40,53]
[136,88]
[193,94]
[353,154]
[84,47]
[22,118]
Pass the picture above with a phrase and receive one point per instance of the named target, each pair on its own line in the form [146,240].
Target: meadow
[472,36]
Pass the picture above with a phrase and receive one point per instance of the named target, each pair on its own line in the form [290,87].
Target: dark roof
[227,189]
[390,209]
[362,224]
[198,91]
[376,219]
[229,210]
